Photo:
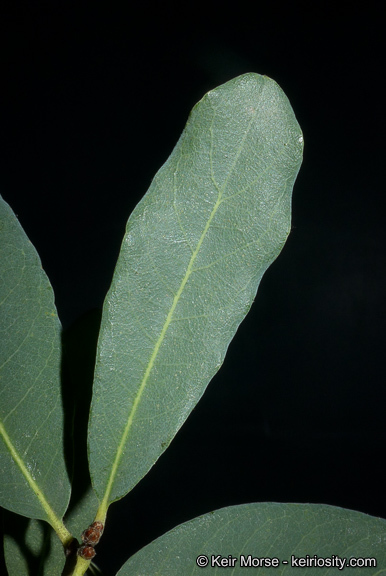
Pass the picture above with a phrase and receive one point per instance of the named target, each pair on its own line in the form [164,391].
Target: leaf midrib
[114,469]
[52,518]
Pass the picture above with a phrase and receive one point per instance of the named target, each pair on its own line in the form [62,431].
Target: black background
[94,96]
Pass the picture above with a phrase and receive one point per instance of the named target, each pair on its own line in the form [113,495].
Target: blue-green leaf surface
[297,536]
[32,547]
[33,476]
[195,248]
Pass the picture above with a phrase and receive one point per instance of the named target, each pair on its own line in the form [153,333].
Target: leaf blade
[266,530]
[31,547]
[216,215]
[35,481]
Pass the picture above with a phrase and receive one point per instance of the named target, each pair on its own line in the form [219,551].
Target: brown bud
[92,534]
[86,552]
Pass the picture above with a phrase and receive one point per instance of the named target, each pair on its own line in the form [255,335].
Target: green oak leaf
[31,547]
[286,532]
[215,217]
[34,478]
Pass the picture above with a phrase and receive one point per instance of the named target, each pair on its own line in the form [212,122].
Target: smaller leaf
[32,547]
[287,532]
[34,478]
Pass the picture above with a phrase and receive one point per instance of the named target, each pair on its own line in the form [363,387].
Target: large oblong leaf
[312,539]
[215,217]
[34,479]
